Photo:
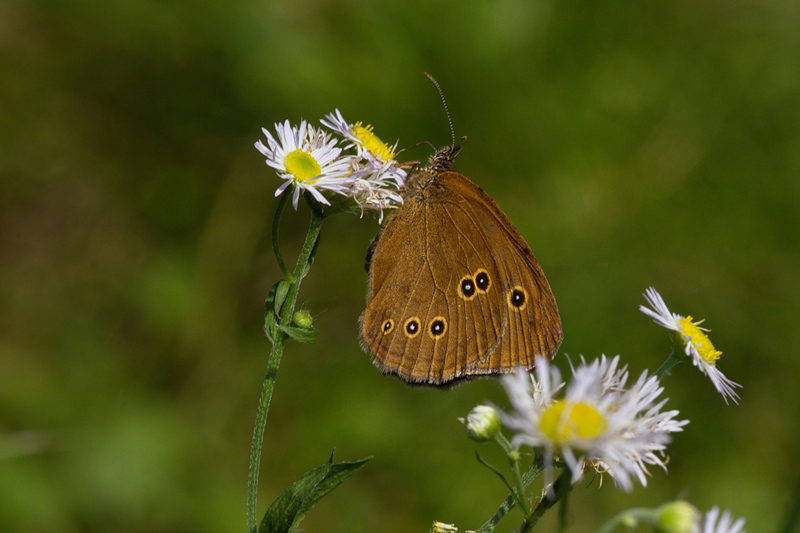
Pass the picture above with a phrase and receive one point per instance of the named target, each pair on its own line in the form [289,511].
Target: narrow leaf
[493,469]
[288,509]
[281,290]
[338,474]
[269,304]
[308,336]
[270,326]
[510,502]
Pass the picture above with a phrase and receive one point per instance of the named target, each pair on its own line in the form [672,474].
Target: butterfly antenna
[447,111]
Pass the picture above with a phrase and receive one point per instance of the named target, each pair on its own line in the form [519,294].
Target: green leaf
[277,297]
[272,308]
[270,326]
[493,469]
[281,290]
[308,336]
[288,509]
[269,305]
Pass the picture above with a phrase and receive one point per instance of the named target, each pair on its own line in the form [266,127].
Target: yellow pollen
[371,142]
[563,422]
[700,341]
[302,165]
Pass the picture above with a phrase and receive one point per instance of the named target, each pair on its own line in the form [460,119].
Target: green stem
[673,359]
[562,511]
[303,263]
[561,489]
[522,502]
[533,471]
[629,517]
[518,489]
[501,439]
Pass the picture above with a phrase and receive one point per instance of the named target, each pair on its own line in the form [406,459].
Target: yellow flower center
[302,165]
[700,341]
[372,143]
[563,422]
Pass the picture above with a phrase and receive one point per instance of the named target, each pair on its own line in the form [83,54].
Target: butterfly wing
[455,291]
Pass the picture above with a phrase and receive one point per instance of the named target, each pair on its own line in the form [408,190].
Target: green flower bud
[302,319]
[483,423]
[678,517]
[629,521]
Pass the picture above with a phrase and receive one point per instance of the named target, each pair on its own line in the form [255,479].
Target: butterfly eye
[516,298]
[482,280]
[467,287]
[388,326]
[412,327]
[438,327]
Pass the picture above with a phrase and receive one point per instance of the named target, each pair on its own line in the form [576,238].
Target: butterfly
[454,290]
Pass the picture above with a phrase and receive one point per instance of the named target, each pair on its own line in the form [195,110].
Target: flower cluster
[349,160]
[596,422]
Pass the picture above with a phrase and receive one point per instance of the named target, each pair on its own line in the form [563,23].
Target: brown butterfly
[454,290]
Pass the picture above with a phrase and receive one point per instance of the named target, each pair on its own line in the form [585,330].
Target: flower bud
[482,423]
[629,521]
[678,517]
[302,319]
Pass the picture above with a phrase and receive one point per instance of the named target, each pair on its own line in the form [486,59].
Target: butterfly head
[421,177]
[442,160]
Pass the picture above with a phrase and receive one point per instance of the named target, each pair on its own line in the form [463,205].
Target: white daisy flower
[597,421]
[368,145]
[378,176]
[308,159]
[696,343]
[725,524]
[336,122]
[377,155]
[371,191]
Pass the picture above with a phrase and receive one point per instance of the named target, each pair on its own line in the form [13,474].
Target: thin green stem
[562,511]
[673,359]
[501,439]
[522,502]
[628,517]
[518,489]
[561,489]
[258,431]
[300,271]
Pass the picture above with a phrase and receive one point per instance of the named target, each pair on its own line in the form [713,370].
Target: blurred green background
[633,144]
